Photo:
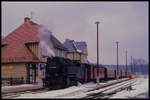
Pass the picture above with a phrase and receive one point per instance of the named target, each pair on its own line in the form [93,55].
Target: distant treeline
[141,69]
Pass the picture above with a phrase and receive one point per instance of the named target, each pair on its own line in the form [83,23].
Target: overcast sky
[126,22]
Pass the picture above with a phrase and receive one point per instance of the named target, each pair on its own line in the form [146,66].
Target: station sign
[7,67]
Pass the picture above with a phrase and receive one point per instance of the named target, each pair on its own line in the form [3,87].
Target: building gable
[14,48]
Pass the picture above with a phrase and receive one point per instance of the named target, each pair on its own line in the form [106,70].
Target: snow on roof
[75,46]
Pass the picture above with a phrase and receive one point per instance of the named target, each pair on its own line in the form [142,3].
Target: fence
[12,81]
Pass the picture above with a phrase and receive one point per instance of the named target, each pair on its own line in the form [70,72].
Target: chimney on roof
[26,20]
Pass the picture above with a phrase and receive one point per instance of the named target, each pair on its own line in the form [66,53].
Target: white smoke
[46,46]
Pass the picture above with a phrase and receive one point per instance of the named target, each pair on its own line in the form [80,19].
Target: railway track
[106,85]
[104,91]
[107,92]
[16,94]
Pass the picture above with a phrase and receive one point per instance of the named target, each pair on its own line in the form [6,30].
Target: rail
[108,91]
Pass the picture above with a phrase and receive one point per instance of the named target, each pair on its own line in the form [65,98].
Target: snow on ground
[141,86]
[6,89]
[59,93]
[140,90]
[71,92]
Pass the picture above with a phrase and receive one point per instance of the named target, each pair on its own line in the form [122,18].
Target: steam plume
[46,45]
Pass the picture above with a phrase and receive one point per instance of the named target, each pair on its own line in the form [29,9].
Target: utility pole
[130,88]
[131,66]
[117,60]
[126,63]
[97,53]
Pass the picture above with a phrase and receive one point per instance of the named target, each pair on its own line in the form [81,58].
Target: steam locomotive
[62,72]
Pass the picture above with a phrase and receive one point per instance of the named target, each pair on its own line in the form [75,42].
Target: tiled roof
[14,48]
[78,45]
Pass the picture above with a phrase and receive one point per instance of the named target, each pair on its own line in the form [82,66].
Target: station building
[22,55]
[77,50]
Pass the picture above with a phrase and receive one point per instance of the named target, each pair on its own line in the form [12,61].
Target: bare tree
[140,61]
[138,65]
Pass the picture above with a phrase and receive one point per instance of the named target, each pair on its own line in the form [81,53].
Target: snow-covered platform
[17,88]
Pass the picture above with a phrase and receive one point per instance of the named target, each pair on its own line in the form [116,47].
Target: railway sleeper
[108,94]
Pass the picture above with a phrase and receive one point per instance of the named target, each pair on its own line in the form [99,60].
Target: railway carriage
[102,74]
[95,72]
[123,73]
[110,73]
[119,73]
